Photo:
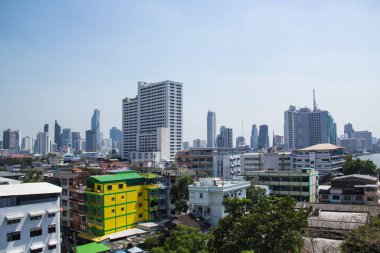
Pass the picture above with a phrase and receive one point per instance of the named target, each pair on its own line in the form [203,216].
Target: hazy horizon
[244,60]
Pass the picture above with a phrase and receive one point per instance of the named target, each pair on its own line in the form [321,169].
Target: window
[9,222]
[122,209]
[112,210]
[50,215]
[35,232]
[13,236]
[113,198]
[38,217]
[123,197]
[98,187]
[335,197]
[140,194]
[201,195]
[121,186]
[36,250]
[140,204]
[140,215]
[51,228]
[109,187]
[50,247]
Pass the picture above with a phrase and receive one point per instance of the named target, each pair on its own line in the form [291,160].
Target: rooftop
[93,247]
[28,189]
[122,176]
[356,176]
[322,147]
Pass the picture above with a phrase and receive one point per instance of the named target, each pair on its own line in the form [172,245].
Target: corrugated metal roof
[356,176]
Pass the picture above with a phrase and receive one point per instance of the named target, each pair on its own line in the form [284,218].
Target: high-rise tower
[211,129]
[254,138]
[95,126]
[263,139]
[152,122]
[57,135]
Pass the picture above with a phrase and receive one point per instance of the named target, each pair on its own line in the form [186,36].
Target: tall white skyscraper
[152,121]
[211,129]
[43,143]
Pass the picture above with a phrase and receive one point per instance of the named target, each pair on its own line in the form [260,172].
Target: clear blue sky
[245,60]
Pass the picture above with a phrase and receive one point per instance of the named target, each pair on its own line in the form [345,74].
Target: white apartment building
[30,218]
[206,197]
[152,121]
[251,162]
[325,158]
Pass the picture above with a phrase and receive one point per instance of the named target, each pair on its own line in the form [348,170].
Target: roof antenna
[314,102]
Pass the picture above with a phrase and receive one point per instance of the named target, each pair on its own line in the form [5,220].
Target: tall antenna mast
[242,127]
[315,107]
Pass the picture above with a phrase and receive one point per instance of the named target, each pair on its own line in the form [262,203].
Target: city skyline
[60,65]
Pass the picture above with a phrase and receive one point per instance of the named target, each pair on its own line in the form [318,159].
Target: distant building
[325,158]
[251,162]
[11,140]
[43,143]
[199,143]
[305,127]
[254,138]
[224,138]
[240,141]
[46,128]
[27,144]
[263,139]
[349,130]
[58,135]
[367,136]
[75,139]
[351,189]
[91,141]
[116,137]
[299,184]
[211,129]
[185,145]
[278,140]
[206,197]
[95,126]
[30,218]
[152,122]
[67,137]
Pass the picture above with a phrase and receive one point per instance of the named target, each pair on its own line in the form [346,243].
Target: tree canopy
[33,175]
[180,194]
[363,239]
[358,166]
[269,225]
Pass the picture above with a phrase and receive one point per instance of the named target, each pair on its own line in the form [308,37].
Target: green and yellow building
[119,201]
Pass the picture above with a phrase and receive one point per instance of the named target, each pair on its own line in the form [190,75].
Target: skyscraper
[263,139]
[349,130]
[66,137]
[46,128]
[152,122]
[75,140]
[224,138]
[116,136]
[95,126]
[91,141]
[211,129]
[43,143]
[306,127]
[11,140]
[57,135]
[240,141]
[254,138]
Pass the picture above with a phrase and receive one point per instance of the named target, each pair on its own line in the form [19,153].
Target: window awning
[15,251]
[14,216]
[36,213]
[53,242]
[53,210]
[37,245]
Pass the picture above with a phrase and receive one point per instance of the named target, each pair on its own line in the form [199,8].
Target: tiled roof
[322,146]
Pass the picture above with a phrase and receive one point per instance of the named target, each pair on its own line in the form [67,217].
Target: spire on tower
[315,107]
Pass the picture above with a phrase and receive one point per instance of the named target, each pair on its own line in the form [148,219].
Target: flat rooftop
[28,189]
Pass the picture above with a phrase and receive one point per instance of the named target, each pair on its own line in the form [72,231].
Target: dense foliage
[184,240]
[33,175]
[180,194]
[269,225]
[358,166]
[364,239]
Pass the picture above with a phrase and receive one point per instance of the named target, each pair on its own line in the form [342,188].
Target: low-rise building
[351,189]
[325,158]
[299,184]
[265,161]
[117,202]
[30,218]
[206,197]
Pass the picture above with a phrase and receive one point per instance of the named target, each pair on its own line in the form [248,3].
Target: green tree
[256,193]
[184,239]
[358,166]
[151,243]
[267,226]
[33,175]
[364,239]
[180,194]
